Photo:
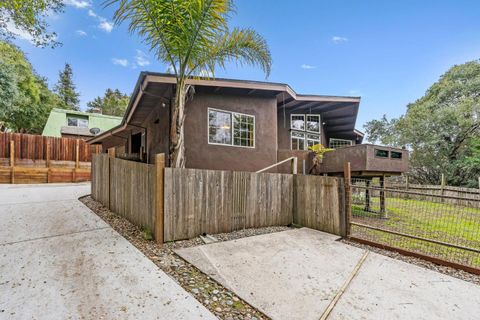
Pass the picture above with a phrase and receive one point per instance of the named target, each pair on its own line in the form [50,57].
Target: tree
[193,38]
[25,100]
[66,90]
[112,103]
[441,129]
[28,17]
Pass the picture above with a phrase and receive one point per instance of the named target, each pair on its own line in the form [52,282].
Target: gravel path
[460,274]
[219,300]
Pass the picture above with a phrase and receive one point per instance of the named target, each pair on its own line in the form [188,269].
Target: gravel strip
[218,299]
[460,274]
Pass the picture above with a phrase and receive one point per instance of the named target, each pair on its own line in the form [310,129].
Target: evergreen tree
[65,88]
[112,103]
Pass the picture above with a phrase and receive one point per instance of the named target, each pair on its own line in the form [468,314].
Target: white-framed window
[297,122]
[297,140]
[313,123]
[339,143]
[312,139]
[77,122]
[305,131]
[231,128]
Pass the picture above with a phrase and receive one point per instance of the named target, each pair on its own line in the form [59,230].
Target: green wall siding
[58,119]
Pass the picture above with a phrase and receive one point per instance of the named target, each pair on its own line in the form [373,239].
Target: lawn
[458,225]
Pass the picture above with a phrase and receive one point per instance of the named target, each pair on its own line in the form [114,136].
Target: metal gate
[441,228]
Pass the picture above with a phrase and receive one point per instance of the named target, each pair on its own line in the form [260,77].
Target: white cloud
[79,4]
[339,40]
[81,33]
[307,66]
[106,26]
[91,13]
[141,59]
[20,33]
[120,62]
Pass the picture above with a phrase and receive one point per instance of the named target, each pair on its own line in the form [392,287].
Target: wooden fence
[460,196]
[180,204]
[26,158]
[130,191]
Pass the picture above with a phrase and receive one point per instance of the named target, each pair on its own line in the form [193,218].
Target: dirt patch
[219,300]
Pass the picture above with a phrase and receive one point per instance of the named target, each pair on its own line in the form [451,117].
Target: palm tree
[193,38]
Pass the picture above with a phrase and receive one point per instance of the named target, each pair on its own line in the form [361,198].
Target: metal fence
[442,227]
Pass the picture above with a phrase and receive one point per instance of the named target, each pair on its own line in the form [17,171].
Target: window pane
[381,153]
[339,143]
[297,122]
[72,122]
[220,130]
[243,129]
[298,140]
[396,155]
[313,123]
[83,123]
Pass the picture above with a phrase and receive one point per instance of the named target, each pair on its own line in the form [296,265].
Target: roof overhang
[157,89]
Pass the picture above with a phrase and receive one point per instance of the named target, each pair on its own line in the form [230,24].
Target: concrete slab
[30,193]
[287,275]
[58,260]
[27,221]
[386,288]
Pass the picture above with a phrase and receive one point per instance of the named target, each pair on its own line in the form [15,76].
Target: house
[244,126]
[77,124]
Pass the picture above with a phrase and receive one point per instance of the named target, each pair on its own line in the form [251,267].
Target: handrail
[294,165]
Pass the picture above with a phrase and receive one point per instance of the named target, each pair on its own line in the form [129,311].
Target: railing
[442,228]
[293,161]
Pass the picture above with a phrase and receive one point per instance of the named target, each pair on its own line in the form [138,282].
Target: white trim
[319,123]
[297,115]
[337,139]
[315,140]
[232,113]
[304,137]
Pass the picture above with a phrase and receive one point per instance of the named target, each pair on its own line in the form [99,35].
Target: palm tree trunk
[177,141]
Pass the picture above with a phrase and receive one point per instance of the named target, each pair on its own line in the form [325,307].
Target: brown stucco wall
[201,155]
[284,129]
[158,134]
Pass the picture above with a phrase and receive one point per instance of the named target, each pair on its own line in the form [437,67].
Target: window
[297,122]
[77,122]
[312,139]
[339,143]
[396,155]
[231,128]
[313,123]
[298,140]
[381,153]
[302,126]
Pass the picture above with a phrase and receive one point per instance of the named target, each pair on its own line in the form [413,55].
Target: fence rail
[180,204]
[28,158]
[445,227]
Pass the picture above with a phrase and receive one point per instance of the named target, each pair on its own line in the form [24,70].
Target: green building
[77,124]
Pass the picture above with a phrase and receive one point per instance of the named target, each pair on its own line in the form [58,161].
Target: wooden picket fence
[177,204]
[26,158]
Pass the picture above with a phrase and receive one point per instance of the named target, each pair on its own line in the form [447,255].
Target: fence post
[348,197]
[159,197]
[111,152]
[47,160]
[12,160]
[294,165]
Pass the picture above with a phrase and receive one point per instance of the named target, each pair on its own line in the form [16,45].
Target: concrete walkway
[58,260]
[296,274]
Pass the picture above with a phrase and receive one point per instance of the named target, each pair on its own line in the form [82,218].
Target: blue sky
[387,52]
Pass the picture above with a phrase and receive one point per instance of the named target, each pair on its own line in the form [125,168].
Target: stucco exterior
[202,155]
[58,119]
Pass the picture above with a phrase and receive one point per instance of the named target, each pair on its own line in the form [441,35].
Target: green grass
[439,221]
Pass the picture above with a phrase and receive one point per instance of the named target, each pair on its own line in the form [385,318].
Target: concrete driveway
[296,274]
[58,260]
